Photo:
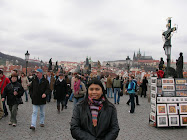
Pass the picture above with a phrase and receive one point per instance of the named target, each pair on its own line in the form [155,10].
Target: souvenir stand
[168,102]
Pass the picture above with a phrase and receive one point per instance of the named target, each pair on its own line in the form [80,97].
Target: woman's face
[95,91]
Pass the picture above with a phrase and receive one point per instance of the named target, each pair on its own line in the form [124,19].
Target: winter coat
[4,84]
[9,93]
[109,83]
[24,82]
[60,89]
[82,126]
[52,82]
[37,89]
[82,91]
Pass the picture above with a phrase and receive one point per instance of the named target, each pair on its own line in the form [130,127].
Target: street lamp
[42,63]
[26,59]
[128,64]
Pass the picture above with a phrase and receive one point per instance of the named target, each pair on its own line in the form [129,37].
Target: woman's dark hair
[96,82]
[1,72]
[117,77]
[102,76]
[78,77]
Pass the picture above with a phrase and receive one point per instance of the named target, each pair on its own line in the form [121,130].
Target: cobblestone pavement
[132,126]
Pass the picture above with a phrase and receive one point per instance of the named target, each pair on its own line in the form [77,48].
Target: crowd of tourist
[89,94]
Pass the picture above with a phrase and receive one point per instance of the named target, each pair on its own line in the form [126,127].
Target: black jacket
[37,89]
[82,127]
[9,93]
[60,89]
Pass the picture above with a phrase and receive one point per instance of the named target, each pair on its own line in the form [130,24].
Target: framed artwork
[153,88]
[159,82]
[162,121]
[181,87]
[161,109]
[172,108]
[185,99]
[173,120]
[159,91]
[152,116]
[154,80]
[183,108]
[163,99]
[180,81]
[181,99]
[168,100]
[153,102]
[167,81]
[183,120]
[173,99]
[181,93]
[153,109]
[177,99]
[153,95]
[159,99]
[168,88]
[168,93]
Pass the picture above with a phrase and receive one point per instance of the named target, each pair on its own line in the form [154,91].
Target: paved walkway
[132,126]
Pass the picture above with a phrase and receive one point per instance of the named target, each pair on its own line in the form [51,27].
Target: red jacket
[160,73]
[5,83]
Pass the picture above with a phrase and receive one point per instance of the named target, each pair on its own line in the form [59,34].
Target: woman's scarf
[95,107]
[77,86]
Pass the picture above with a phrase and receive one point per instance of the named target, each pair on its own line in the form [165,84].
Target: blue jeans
[116,90]
[76,100]
[48,98]
[26,95]
[71,97]
[109,90]
[35,112]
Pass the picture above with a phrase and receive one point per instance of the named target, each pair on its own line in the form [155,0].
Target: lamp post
[42,63]
[128,65]
[167,44]
[26,59]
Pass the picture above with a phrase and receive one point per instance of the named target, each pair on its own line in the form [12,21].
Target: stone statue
[56,67]
[61,69]
[50,64]
[161,64]
[98,64]
[179,66]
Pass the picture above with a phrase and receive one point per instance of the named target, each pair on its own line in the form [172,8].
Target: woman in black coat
[94,118]
[60,91]
[13,92]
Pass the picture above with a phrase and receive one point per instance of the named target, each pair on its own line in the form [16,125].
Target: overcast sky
[71,30]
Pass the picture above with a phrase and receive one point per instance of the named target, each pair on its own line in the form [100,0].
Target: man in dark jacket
[38,90]
[60,89]
[13,91]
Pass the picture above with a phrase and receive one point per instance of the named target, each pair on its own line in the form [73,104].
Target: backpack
[135,87]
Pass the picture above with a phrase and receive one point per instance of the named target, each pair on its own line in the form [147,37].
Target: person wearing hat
[3,82]
[38,90]
[13,92]
[60,90]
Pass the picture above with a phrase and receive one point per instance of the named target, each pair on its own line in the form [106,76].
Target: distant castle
[140,57]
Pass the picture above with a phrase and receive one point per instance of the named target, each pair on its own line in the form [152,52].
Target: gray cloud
[104,30]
